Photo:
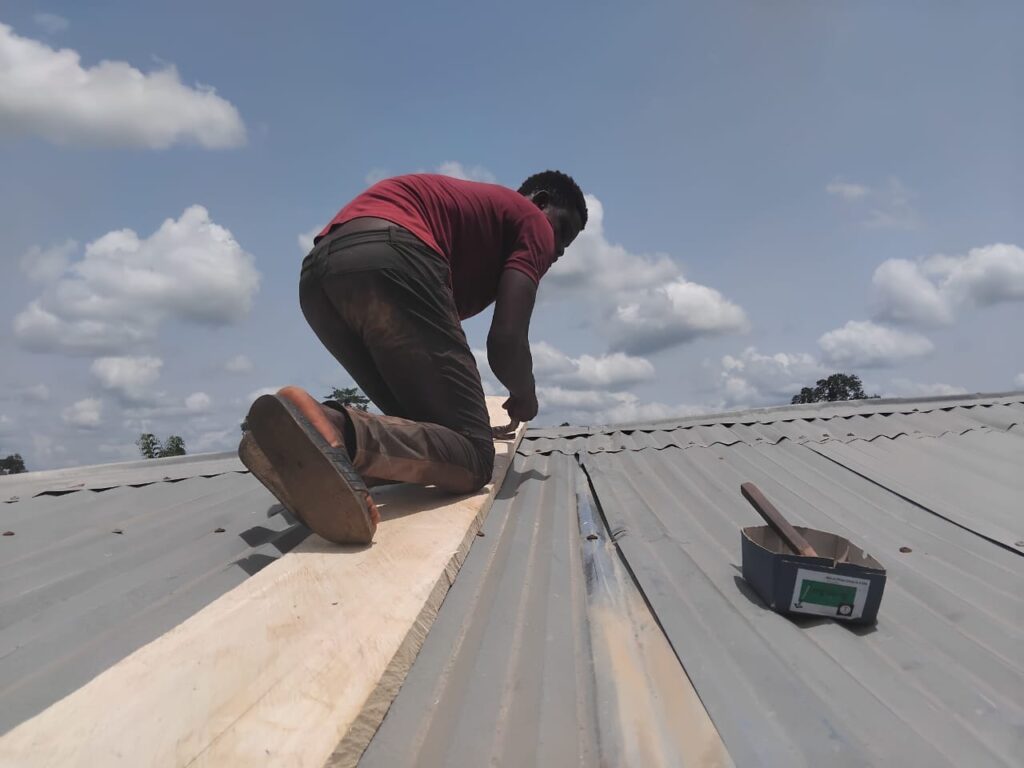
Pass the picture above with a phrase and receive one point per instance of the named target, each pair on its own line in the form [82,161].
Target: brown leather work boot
[299,454]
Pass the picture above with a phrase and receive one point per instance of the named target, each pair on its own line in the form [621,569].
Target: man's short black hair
[564,191]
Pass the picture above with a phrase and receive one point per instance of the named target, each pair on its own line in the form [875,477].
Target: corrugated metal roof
[801,424]
[90,576]
[544,652]
[937,682]
[506,676]
[517,669]
[14,488]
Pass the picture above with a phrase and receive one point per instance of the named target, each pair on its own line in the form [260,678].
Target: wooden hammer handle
[775,519]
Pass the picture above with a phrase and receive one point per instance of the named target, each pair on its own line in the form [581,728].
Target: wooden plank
[301,658]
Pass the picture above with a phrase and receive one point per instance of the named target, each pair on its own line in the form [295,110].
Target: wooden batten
[295,666]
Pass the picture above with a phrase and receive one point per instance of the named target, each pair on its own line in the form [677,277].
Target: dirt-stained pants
[380,302]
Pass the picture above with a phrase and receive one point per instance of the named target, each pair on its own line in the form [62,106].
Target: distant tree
[12,464]
[350,396]
[149,446]
[838,386]
[173,446]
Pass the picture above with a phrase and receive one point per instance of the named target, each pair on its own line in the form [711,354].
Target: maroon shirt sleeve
[534,249]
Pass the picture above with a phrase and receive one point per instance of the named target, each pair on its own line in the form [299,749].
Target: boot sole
[325,491]
[256,461]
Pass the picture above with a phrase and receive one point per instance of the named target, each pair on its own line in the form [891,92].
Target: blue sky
[782,190]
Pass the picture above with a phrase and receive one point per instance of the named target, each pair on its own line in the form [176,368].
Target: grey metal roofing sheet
[516,669]
[544,652]
[133,473]
[505,675]
[76,597]
[804,412]
[976,481]
[936,682]
[797,424]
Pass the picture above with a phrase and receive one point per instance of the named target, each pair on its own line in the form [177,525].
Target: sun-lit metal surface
[531,662]
[544,652]
[87,577]
[937,682]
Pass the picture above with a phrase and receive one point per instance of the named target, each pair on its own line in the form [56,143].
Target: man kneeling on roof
[384,289]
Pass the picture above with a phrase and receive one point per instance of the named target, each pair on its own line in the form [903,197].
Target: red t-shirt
[479,229]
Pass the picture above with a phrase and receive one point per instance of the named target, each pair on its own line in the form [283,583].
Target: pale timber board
[280,668]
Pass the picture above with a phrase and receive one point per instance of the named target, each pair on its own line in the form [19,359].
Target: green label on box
[829,594]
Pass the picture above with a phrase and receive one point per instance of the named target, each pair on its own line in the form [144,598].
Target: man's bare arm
[508,343]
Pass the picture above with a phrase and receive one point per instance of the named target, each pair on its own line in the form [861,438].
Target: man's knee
[484,468]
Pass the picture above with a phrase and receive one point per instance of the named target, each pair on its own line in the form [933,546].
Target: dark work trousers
[380,302]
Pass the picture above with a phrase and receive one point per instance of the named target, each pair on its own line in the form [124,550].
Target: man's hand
[521,407]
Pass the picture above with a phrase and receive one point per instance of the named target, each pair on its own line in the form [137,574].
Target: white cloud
[198,402]
[468,173]
[753,379]
[846,190]
[51,23]
[38,392]
[215,440]
[256,393]
[598,407]
[904,294]
[863,343]
[7,424]
[1018,380]
[44,265]
[123,287]
[375,175]
[593,264]
[305,239]
[130,378]
[84,414]
[646,303]
[673,314]
[893,208]
[238,364]
[47,92]
[989,275]
[932,290]
[908,388]
[887,206]
[119,451]
[615,371]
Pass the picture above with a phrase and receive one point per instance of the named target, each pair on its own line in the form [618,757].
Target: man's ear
[541,198]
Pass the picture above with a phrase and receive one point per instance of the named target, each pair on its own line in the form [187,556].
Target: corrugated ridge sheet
[76,596]
[544,652]
[799,424]
[505,674]
[937,682]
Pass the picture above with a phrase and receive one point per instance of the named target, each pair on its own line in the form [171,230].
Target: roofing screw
[118,531]
[592,537]
[1018,543]
[218,530]
[480,533]
[904,550]
[8,533]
